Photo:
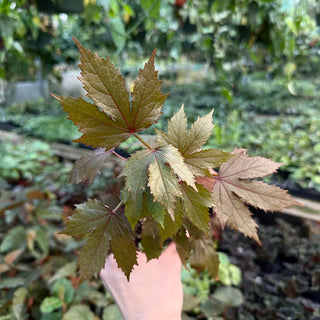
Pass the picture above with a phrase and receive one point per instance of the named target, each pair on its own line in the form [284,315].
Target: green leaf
[118,32]
[152,7]
[57,315]
[133,206]
[187,141]
[204,256]
[151,239]
[66,270]
[173,157]
[87,167]
[15,239]
[163,182]
[160,168]
[199,133]
[164,185]
[229,296]
[229,274]
[202,160]
[63,289]
[50,304]
[177,131]
[112,118]
[97,298]
[102,228]
[136,171]
[79,312]
[12,282]
[142,205]
[18,302]
[193,231]
[112,312]
[42,240]
[104,85]
[190,142]
[99,130]
[196,205]
[170,227]
[147,99]
[153,208]
[212,307]
[183,246]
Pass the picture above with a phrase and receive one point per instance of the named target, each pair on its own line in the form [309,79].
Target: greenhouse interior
[160,159]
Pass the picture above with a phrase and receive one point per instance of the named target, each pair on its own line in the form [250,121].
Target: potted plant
[169,187]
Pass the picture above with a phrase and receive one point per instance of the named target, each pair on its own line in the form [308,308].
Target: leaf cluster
[169,186]
[38,273]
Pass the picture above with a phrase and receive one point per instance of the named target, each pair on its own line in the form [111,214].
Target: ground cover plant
[168,186]
[38,270]
[39,119]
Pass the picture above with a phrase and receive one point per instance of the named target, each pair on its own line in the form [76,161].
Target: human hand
[154,291]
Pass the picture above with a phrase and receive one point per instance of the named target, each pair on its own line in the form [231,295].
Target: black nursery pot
[60,6]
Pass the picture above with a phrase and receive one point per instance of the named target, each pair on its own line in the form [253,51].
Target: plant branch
[143,142]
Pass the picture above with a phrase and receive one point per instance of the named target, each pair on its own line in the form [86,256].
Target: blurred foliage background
[277,36]
[255,61]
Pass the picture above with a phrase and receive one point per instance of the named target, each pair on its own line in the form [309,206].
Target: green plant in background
[24,161]
[169,184]
[197,288]
[221,33]
[14,23]
[48,128]
[39,277]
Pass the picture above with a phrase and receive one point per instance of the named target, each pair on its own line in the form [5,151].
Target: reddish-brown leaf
[233,188]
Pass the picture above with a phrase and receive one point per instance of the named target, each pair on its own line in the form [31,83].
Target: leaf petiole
[118,206]
[142,141]
[119,156]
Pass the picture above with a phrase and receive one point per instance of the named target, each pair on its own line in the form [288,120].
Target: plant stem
[119,156]
[143,142]
[118,206]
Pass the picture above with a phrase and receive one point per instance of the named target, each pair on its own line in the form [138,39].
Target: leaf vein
[116,104]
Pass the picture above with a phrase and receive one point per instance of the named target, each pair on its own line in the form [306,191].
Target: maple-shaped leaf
[142,205]
[204,256]
[133,206]
[147,99]
[193,231]
[106,87]
[232,188]
[196,204]
[99,130]
[136,171]
[171,226]
[183,246]
[102,228]
[151,239]
[87,167]
[113,116]
[152,208]
[160,169]
[190,142]
[163,182]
